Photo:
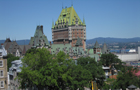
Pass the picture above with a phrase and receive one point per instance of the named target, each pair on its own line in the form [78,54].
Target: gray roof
[16,65]
[79,42]
[26,47]
[2,49]
[12,47]
[132,86]
[96,45]
[105,49]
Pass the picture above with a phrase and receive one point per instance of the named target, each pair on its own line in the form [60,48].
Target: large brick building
[68,28]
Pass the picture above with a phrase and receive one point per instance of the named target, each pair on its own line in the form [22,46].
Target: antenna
[71,3]
[62,5]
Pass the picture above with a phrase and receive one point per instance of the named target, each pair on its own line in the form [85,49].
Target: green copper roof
[39,37]
[60,47]
[67,48]
[68,15]
[79,42]
[96,45]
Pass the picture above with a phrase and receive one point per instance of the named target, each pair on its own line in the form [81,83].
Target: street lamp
[112,71]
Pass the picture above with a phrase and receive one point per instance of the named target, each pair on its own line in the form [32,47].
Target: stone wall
[128,57]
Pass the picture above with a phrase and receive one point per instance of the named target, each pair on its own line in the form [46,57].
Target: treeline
[58,72]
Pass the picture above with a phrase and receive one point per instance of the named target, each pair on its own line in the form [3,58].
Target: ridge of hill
[90,41]
[113,40]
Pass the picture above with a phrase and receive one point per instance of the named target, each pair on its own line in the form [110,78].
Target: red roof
[138,73]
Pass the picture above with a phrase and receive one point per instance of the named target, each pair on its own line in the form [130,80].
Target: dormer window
[0,53]
[64,15]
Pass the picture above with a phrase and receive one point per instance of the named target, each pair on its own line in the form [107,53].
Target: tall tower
[68,28]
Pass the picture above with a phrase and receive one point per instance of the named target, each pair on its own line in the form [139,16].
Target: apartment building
[3,68]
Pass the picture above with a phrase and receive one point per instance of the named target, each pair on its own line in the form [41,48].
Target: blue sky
[104,18]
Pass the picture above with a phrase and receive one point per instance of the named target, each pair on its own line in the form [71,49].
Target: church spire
[84,21]
[52,24]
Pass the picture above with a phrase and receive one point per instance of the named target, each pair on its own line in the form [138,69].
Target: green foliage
[111,59]
[126,77]
[108,59]
[56,72]
[10,58]
[94,68]
[81,78]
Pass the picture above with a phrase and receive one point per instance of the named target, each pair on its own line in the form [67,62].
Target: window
[1,84]
[1,73]
[81,29]
[77,29]
[1,63]
[64,15]
[0,53]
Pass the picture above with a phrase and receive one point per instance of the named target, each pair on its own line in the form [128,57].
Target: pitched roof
[105,49]
[79,42]
[132,86]
[96,45]
[69,15]
[39,37]
[7,40]
[12,47]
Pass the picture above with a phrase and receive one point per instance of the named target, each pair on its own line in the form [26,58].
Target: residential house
[12,47]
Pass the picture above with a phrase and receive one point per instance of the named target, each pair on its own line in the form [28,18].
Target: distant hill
[113,40]
[19,42]
[90,41]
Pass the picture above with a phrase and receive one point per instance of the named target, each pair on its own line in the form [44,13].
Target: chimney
[41,28]
[50,43]
[64,41]
[2,45]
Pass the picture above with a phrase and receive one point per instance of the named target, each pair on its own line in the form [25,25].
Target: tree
[94,68]
[38,70]
[10,58]
[127,77]
[80,78]
[55,72]
[71,75]
[111,59]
